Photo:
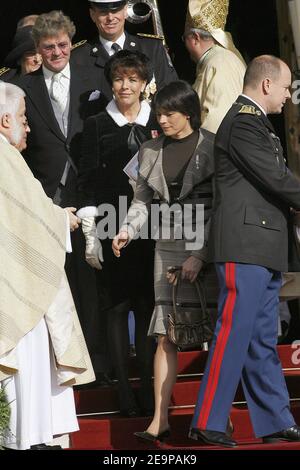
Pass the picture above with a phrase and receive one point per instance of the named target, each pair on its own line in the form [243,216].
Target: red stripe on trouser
[216,362]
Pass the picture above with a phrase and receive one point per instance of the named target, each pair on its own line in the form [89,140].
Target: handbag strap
[199,288]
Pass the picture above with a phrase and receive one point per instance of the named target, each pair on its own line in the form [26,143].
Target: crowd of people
[110,136]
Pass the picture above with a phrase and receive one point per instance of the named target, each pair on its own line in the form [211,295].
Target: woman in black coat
[110,141]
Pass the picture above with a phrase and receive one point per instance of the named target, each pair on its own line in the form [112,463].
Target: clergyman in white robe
[42,348]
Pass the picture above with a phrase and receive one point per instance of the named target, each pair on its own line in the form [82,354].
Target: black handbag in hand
[189,327]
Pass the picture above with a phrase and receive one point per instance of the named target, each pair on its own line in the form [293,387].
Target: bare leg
[165,373]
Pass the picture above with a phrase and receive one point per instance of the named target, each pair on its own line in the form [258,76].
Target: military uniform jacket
[94,54]
[9,75]
[254,191]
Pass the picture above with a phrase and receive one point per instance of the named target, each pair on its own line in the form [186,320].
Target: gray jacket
[196,189]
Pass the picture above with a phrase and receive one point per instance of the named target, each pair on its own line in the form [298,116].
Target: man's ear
[196,36]
[6,120]
[266,85]
[126,11]
[92,14]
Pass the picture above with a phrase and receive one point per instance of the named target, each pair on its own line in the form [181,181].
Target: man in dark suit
[254,194]
[58,97]
[109,17]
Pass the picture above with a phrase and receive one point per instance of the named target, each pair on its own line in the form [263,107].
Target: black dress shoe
[214,438]
[45,447]
[147,436]
[290,434]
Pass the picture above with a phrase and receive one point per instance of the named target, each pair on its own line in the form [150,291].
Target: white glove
[93,247]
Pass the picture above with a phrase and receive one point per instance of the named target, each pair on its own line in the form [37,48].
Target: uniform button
[263,222]
[103,165]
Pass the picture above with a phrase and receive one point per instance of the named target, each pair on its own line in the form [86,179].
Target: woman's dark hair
[181,97]
[128,60]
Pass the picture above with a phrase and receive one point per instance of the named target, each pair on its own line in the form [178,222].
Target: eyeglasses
[49,48]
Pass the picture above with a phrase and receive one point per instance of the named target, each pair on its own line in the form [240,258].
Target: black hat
[112,5]
[22,42]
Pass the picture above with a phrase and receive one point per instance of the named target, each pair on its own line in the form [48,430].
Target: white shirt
[119,118]
[107,44]
[65,78]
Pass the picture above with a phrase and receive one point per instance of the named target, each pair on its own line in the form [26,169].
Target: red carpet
[110,431]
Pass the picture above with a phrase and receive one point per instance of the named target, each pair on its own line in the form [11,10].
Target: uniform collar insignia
[249,109]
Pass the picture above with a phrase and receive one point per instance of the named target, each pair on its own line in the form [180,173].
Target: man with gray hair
[42,349]
[220,66]
[59,96]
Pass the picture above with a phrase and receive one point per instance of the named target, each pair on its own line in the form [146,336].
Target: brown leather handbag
[189,325]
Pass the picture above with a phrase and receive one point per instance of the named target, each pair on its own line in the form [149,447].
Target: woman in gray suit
[177,168]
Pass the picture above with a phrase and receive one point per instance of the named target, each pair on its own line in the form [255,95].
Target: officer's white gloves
[93,247]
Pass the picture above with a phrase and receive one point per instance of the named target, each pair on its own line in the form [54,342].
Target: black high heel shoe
[147,436]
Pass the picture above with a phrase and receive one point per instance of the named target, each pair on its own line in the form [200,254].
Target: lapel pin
[95,49]
[132,44]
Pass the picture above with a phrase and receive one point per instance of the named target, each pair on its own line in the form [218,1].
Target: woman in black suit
[110,140]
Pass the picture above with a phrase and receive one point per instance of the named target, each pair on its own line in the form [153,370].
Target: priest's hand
[73,219]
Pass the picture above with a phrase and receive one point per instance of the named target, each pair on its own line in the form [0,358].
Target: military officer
[254,193]
[109,17]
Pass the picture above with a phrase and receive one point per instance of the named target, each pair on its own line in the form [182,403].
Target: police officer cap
[112,5]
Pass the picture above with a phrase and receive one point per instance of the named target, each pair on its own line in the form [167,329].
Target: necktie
[116,47]
[57,91]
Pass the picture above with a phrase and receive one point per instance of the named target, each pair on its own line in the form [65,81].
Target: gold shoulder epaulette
[78,44]
[248,109]
[151,36]
[3,70]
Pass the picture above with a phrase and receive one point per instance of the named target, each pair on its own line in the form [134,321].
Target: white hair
[205,35]
[10,97]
